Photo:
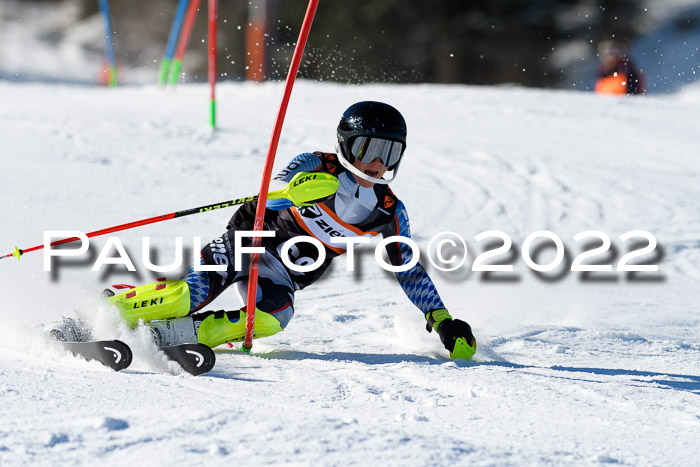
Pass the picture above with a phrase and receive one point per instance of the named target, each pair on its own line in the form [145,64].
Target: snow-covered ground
[571,368]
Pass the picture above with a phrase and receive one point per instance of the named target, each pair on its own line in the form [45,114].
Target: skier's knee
[283,314]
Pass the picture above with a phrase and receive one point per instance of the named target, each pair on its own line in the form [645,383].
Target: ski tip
[195,359]
[126,357]
[204,358]
[114,354]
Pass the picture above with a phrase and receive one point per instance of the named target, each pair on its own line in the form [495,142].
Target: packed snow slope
[572,367]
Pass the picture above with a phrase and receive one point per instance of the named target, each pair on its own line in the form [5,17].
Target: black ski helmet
[370,119]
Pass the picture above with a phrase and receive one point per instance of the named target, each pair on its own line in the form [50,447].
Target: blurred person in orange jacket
[616,72]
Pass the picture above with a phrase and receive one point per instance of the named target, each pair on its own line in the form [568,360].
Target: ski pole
[298,191]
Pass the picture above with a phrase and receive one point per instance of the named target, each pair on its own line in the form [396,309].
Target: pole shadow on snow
[679,382]
[367,358]
[690,383]
[212,374]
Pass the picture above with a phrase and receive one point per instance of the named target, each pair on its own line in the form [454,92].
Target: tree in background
[535,43]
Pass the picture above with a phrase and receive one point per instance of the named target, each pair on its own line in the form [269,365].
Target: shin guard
[159,300]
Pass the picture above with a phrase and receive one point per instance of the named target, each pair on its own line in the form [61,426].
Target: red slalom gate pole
[271,152]
[212,58]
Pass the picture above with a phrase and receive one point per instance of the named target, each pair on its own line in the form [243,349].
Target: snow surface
[571,368]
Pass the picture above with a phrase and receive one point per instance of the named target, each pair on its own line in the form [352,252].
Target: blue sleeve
[305,162]
[415,282]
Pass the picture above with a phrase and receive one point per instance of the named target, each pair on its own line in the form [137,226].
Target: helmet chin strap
[346,163]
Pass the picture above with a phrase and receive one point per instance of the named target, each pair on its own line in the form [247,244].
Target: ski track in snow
[568,371]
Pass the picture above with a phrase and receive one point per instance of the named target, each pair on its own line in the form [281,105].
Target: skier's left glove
[455,334]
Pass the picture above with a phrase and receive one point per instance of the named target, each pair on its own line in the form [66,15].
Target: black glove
[452,332]
[451,329]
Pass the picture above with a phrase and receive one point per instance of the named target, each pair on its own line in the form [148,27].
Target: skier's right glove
[455,334]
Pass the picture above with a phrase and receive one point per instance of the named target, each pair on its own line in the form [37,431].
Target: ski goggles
[367,148]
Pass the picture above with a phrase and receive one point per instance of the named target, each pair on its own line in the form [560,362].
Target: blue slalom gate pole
[109,44]
[172,41]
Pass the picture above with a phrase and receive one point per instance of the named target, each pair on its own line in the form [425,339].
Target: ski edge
[113,354]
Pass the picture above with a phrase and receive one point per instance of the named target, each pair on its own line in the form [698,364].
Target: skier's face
[374,169]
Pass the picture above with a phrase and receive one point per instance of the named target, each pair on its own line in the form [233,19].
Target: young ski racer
[371,144]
